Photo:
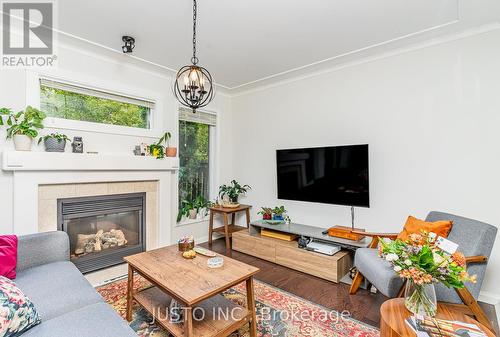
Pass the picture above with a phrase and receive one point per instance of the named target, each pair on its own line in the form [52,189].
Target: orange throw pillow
[415,226]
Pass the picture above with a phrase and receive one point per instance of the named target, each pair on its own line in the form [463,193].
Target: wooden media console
[288,254]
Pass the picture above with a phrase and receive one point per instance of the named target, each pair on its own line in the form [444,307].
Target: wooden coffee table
[393,314]
[197,288]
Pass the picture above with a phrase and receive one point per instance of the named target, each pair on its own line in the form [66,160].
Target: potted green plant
[159,151]
[188,210]
[55,142]
[278,212]
[267,213]
[233,191]
[170,151]
[23,126]
[202,204]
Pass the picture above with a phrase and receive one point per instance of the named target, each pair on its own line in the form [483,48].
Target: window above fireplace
[79,103]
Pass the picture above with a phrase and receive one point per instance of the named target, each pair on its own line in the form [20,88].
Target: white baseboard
[493,299]
[202,239]
[488,297]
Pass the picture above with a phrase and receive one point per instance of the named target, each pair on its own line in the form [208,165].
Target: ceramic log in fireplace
[103,229]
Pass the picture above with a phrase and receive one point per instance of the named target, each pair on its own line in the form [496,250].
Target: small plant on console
[267,213]
[278,212]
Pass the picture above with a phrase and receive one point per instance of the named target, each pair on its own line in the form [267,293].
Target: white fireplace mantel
[30,170]
[53,161]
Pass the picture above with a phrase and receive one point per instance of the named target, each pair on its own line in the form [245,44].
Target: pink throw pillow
[8,256]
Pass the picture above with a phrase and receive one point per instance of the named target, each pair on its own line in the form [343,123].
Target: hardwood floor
[364,306]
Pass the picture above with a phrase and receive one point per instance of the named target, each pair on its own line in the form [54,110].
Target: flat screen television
[331,175]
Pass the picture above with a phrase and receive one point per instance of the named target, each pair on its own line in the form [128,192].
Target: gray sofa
[68,305]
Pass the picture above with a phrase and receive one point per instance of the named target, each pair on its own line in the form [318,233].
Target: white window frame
[214,135]
[156,117]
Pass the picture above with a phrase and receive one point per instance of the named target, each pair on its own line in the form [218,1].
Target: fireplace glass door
[104,229]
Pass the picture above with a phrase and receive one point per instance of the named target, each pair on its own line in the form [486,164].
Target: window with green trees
[82,104]
[194,152]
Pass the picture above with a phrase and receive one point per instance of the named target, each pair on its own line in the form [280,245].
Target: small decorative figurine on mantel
[77,145]
[137,150]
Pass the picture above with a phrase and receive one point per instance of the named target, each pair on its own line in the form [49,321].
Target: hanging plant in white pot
[22,126]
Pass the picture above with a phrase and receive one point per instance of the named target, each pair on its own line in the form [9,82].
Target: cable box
[323,248]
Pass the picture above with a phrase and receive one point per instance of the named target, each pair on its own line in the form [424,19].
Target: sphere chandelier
[193,85]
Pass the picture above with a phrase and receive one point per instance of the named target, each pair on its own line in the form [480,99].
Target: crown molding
[324,67]
[344,55]
[371,53]
[431,36]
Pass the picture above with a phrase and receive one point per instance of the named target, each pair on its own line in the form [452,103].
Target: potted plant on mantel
[158,151]
[23,126]
[55,142]
[233,191]
[170,151]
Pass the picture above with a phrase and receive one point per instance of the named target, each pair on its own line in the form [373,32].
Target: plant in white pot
[23,126]
[55,142]
[232,191]
[201,205]
[188,210]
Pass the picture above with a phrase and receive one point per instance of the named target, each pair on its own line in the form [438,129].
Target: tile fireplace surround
[40,178]
[49,194]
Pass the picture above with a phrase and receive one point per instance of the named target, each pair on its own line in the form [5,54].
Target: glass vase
[421,299]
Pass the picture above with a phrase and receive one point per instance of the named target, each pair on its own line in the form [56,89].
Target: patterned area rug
[279,313]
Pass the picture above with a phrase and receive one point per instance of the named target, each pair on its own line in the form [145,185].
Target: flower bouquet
[422,263]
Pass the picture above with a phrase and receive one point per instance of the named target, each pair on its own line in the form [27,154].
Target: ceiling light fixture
[193,85]
[129,45]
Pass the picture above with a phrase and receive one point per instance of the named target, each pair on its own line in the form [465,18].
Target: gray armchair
[475,241]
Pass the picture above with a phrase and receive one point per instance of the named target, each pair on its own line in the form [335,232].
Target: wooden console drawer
[255,246]
[331,268]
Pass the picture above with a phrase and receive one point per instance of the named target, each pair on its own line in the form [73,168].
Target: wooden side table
[393,314]
[229,228]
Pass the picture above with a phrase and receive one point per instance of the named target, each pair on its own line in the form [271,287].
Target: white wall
[12,93]
[90,65]
[431,118]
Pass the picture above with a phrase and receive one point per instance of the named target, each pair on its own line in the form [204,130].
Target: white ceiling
[243,41]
